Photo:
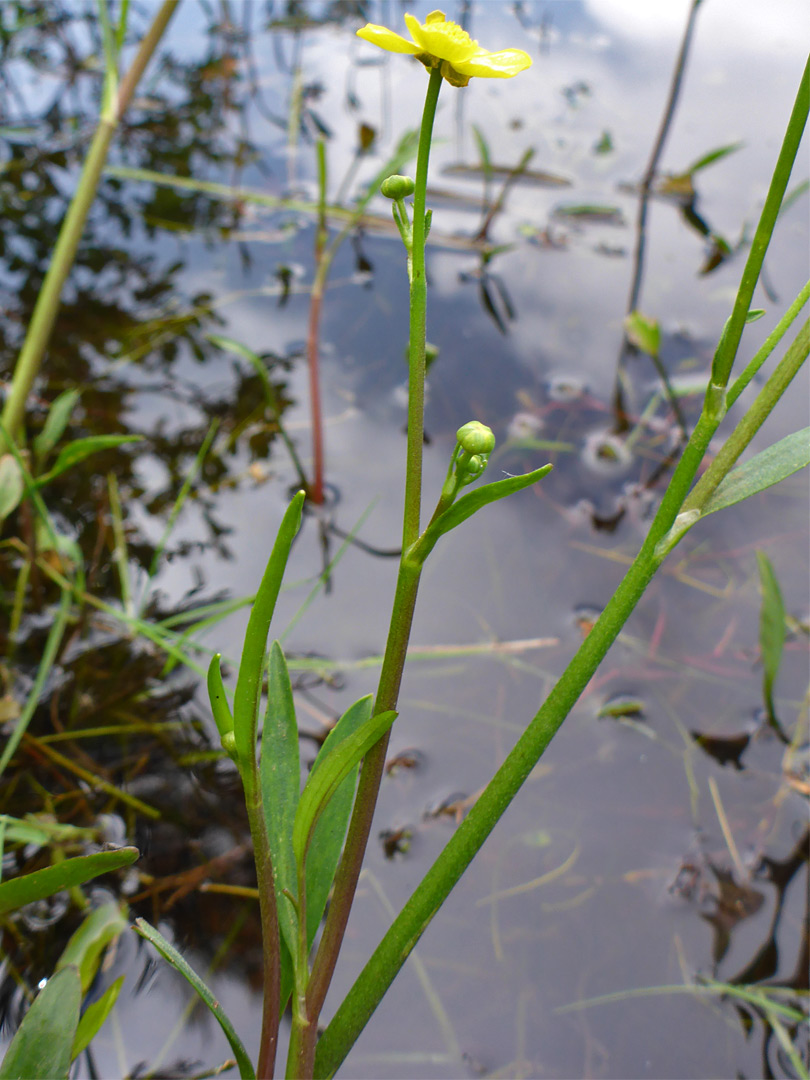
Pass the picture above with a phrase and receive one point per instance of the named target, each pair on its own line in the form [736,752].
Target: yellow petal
[497,65]
[442,38]
[387,39]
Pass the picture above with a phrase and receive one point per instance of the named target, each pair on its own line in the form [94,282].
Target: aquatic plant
[310,843]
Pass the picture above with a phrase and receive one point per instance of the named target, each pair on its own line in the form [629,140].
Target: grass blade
[173,957]
[94,1016]
[762,471]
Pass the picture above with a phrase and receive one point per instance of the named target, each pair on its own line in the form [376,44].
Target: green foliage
[251,667]
[42,1047]
[173,957]
[771,630]
[62,875]
[103,925]
[326,780]
[762,471]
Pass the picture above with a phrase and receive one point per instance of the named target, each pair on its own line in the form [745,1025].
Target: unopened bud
[476,438]
[397,187]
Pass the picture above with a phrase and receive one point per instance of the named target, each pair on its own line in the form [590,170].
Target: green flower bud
[476,438]
[397,187]
[473,469]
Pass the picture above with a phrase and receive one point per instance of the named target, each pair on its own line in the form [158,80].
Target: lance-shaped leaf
[42,1046]
[249,682]
[55,422]
[762,471]
[94,1016]
[64,875]
[330,830]
[280,779]
[468,504]
[771,630]
[79,449]
[173,957]
[324,782]
[86,945]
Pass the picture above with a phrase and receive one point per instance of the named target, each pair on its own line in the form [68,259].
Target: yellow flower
[442,44]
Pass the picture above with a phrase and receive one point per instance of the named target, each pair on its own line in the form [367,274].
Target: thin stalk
[787,368]
[315,490]
[271,1005]
[64,253]
[301,1051]
[404,598]
[404,933]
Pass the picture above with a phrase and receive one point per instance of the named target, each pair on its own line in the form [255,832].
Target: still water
[661,838]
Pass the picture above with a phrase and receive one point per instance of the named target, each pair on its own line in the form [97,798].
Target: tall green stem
[268,914]
[404,933]
[64,253]
[404,598]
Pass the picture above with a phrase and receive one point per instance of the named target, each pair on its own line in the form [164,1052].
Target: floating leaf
[41,1049]
[762,471]
[323,783]
[251,667]
[173,957]
[63,875]
[94,1016]
[771,630]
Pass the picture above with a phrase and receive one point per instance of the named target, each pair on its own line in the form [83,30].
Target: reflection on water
[661,842]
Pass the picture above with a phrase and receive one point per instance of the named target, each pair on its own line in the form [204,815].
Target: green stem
[268,914]
[301,1051]
[402,936]
[404,598]
[64,253]
[787,368]
[727,348]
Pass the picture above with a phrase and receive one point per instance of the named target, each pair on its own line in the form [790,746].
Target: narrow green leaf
[173,957]
[94,1016]
[771,630]
[216,694]
[324,782]
[249,682]
[644,333]
[88,942]
[41,1048]
[330,829]
[12,485]
[64,875]
[280,779]
[80,449]
[255,361]
[762,471]
[712,157]
[474,500]
[55,423]
[754,315]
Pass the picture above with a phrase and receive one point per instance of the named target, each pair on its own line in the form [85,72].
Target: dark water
[652,845]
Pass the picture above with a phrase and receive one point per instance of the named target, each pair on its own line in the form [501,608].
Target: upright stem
[271,1005]
[322,262]
[404,598]
[64,253]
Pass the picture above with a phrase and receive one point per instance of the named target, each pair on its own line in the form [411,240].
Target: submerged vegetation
[236,834]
